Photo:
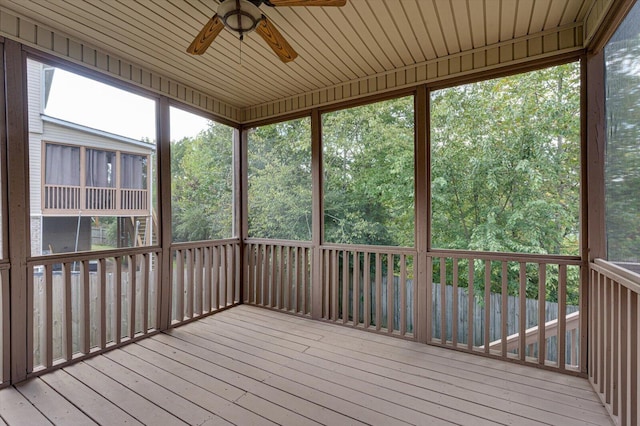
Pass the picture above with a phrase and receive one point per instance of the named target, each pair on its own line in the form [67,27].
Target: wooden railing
[278,275]
[369,287]
[551,329]
[205,278]
[134,199]
[66,199]
[4,324]
[61,197]
[614,353]
[509,327]
[90,302]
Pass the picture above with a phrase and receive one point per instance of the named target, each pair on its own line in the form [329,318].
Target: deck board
[249,365]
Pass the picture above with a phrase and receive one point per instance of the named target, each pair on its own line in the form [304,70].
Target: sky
[90,103]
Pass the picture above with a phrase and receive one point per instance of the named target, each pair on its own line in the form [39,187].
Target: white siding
[35,96]
[60,134]
[35,172]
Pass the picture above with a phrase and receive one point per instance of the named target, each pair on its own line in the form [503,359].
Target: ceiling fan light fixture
[240,16]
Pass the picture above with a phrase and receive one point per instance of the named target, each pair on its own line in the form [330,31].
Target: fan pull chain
[241,39]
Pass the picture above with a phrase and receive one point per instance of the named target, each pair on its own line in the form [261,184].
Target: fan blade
[308,2]
[275,40]
[204,38]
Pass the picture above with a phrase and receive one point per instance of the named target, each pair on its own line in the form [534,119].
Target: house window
[100,168]
[62,165]
[622,153]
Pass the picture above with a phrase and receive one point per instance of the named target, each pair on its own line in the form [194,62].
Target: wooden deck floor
[251,366]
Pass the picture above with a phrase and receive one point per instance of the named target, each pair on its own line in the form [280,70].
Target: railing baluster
[356,288]
[144,293]
[198,305]
[85,318]
[180,285]
[633,368]
[505,310]
[206,296]
[102,288]
[470,306]
[273,301]
[562,316]
[133,287]
[366,290]
[68,319]
[378,305]
[390,291]
[189,285]
[522,298]
[118,300]
[306,282]
[454,304]
[443,300]
[48,316]
[345,286]
[335,272]
[616,344]
[224,275]
[282,254]
[608,335]
[542,295]
[403,295]
[215,276]
[487,305]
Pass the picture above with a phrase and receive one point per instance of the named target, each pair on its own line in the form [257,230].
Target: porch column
[317,210]
[422,215]
[164,209]
[18,208]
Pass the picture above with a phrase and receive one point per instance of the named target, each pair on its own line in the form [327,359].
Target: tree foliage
[505,163]
[279,169]
[202,185]
[368,174]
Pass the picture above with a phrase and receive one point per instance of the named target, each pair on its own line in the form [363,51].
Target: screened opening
[505,163]
[368,171]
[622,158]
[279,180]
[91,155]
[201,177]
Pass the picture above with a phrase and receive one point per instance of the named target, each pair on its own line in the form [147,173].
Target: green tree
[368,161]
[202,185]
[279,169]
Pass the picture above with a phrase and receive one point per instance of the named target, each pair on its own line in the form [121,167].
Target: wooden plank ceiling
[335,44]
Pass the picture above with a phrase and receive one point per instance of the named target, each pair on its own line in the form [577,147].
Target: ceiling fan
[244,16]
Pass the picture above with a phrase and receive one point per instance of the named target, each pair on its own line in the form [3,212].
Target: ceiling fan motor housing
[241,16]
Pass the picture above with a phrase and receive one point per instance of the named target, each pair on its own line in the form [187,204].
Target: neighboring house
[79,175]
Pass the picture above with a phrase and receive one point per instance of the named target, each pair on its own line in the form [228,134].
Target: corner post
[164,207]
[422,164]
[317,214]
[18,214]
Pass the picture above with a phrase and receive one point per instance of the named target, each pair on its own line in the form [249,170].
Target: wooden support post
[317,215]
[242,216]
[17,195]
[422,192]
[164,210]
[593,238]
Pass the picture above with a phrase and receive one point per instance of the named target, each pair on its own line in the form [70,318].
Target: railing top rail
[5,264]
[273,242]
[627,278]
[370,249]
[52,259]
[203,243]
[511,257]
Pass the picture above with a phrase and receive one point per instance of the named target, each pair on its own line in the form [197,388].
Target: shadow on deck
[249,365]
